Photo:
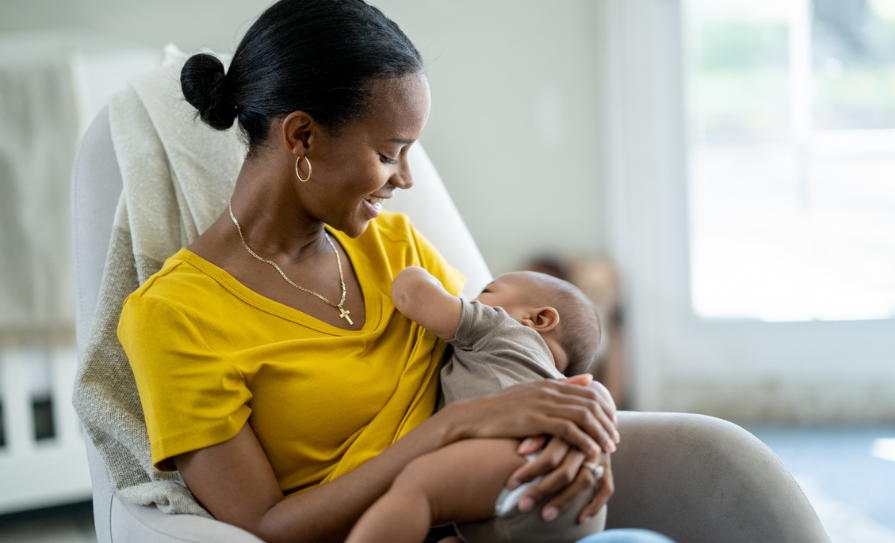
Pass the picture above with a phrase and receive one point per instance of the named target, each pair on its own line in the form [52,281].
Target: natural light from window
[792,158]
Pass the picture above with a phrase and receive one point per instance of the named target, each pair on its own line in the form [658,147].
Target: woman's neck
[272,218]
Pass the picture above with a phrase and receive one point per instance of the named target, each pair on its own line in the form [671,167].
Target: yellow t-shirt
[209,354]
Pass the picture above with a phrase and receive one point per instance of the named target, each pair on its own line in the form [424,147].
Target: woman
[274,372]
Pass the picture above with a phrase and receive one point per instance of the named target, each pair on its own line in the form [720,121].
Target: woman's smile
[373,205]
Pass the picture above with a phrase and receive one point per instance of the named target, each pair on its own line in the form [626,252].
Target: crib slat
[18,411]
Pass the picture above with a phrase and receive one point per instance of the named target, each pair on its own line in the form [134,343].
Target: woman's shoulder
[179,282]
[393,235]
[393,225]
[388,235]
[397,228]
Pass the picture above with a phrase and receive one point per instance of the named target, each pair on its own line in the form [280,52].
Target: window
[792,158]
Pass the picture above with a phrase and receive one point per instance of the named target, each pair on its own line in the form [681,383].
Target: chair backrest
[96,187]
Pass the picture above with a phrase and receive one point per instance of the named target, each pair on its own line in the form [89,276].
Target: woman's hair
[316,56]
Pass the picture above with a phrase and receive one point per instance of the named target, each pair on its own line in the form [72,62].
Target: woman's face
[356,170]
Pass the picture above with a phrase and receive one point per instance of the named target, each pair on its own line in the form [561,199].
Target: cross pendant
[344,315]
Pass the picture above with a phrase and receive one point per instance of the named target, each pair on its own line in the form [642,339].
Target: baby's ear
[544,319]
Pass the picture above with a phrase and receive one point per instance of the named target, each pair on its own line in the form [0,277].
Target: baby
[524,326]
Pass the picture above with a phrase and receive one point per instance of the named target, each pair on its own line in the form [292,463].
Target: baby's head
[556,309]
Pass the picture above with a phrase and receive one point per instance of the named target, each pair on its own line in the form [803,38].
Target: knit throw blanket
[177,174]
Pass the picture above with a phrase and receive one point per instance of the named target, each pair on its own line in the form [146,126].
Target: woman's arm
[235,482]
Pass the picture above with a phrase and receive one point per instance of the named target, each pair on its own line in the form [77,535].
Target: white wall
[514,129]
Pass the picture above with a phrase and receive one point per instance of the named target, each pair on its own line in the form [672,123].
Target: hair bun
[205,88]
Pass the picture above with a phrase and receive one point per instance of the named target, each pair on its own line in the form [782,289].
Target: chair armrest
[146,524]
[120,520]
[701,479]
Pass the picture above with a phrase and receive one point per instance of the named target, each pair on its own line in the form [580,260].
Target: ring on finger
[598,470]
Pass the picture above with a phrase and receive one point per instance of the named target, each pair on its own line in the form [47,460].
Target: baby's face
[510,292]
[515,293]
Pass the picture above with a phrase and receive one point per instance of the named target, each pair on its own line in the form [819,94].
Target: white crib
[45,464]
[40,472]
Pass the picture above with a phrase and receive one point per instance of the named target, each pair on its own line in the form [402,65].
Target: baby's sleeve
[477,323]
[493,351]
[192,396]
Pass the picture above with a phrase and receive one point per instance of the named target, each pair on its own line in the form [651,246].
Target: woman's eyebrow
[401,140]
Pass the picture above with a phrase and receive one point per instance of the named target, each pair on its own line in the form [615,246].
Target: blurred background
[719,175]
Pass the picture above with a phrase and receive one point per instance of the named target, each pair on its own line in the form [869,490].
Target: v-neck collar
[372,296]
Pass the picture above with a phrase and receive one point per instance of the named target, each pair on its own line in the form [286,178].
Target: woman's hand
[604,398]
[607,487]
[577,414]
[560,463]
[562,467]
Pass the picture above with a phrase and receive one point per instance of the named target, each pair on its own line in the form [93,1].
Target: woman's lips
[374,205]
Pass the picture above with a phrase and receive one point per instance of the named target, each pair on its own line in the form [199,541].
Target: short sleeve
[478,322]
[434,263]
[192,396]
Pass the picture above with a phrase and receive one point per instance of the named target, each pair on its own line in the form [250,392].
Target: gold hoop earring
[298,174]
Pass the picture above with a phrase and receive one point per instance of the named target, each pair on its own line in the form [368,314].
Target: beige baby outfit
[492,351]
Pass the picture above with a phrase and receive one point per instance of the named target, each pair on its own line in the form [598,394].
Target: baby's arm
[419,296]
[459,483]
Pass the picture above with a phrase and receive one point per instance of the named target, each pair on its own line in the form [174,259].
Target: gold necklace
[343,312]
